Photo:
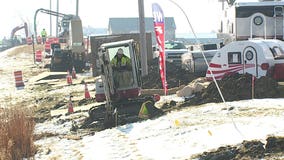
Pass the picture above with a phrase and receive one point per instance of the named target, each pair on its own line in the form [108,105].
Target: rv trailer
[245,20]
[256,56]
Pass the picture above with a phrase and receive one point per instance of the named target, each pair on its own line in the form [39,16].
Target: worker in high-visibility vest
[120,61]
[148,109]
[43,35]
[122,70]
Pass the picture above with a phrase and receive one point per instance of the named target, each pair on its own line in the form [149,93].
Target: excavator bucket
[124,112]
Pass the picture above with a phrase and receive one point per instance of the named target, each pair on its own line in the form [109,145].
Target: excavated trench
[236,87]
[174,74]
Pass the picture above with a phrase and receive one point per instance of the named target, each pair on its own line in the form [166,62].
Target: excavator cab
[124,80]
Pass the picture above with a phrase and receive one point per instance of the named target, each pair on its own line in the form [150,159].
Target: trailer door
[249,60]
[278,22]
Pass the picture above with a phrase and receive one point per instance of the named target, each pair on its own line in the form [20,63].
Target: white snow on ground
[176,135]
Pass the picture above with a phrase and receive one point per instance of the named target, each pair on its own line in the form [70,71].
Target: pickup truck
[173,51]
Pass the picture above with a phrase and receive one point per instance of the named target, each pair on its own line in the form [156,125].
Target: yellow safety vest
[144,110]
[43,33]
[124,61]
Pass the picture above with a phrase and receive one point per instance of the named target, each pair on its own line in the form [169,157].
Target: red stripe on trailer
[214,65]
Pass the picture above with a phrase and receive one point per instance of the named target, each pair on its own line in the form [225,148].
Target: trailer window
[277,52]
[246,11]
[234,57]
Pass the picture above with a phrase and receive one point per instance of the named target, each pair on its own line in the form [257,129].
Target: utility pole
[57,18]
[77,7]
[142,34]
[50,19]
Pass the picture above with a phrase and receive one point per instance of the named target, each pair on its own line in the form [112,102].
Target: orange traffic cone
[70,106]
[87,94]
[74,73]
[69,78]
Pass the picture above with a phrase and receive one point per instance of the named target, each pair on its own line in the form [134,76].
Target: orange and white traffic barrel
[19,79]
[39,40]
[29,40]
[55,40]
[47,46]
[38,56]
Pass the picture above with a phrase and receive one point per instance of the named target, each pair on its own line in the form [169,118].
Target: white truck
[173,51]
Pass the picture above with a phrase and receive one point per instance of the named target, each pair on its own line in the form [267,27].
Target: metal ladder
[278,15]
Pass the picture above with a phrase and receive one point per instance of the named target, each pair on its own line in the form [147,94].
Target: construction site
[54,99]
[118,97]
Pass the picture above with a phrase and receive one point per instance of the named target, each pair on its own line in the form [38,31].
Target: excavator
[120,89]
[24,26]
[70,51]
[15,40]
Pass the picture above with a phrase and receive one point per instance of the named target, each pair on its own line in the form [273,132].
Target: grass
[16,134]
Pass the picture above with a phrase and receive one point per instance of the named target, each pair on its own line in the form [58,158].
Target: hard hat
[156,97]
[119,51]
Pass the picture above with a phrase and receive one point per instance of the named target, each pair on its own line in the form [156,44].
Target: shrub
[16,134]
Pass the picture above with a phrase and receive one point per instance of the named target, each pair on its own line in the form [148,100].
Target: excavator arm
[46,11]
[107,78]
[25,26]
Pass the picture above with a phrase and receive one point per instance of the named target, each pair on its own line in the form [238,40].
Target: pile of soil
[238,87]
[174,74]
[247,150]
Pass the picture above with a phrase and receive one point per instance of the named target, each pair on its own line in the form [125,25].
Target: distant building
[94,31]
[131,25]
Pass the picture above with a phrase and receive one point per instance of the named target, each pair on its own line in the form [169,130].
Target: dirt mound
[247,150]
[174,74]
[238,87]
[24,49]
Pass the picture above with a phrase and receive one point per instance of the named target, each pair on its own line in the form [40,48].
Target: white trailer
[257,57]
[244,20]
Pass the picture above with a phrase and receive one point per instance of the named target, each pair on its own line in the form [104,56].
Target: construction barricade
[39,40]
[29,40]
[55,40]
[47,46]
[38,56]
[19,79]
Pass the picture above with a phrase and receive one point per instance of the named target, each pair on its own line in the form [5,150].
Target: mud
[238,87]
[248,150]
[174,74]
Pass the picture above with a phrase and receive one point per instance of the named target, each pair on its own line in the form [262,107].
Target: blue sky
[203,14]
